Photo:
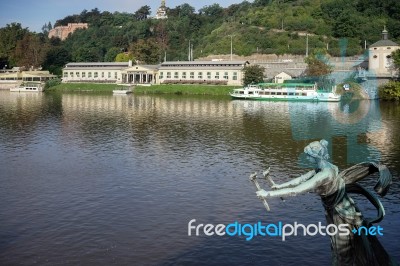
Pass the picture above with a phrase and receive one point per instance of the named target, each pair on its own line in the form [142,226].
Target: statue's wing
[360,171]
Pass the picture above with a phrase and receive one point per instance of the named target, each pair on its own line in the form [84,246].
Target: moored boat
[29,87]
[285,92]
[123,91]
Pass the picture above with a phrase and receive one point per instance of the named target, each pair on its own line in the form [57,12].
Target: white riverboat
[29,87]
[285,92]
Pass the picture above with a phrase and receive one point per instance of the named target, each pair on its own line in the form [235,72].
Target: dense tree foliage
[396,59]
[253,74]
[264,26]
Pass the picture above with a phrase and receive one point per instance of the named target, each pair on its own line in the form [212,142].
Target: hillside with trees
[337,27]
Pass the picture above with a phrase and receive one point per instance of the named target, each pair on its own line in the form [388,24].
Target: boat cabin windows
[273,93]
[279,93]
[303,94]
[290,93]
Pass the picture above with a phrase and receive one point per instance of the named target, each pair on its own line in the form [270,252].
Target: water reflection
[94,178]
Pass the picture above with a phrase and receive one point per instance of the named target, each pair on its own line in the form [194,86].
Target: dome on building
[384,41]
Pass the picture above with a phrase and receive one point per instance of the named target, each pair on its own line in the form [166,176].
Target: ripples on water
[98,179]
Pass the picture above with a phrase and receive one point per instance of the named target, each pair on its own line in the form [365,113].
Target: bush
[52,83]
[390,91]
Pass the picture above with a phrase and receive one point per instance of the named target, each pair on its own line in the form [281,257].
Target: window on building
[226,75]
[200,75]
[234,77]
[115,75]
[96,74]
[71,74]
[65,74]
[168,75]
[209,75]
[89,74]
[176,75]
[109,75]
[83,74]
[77,74]
[161,75]
[192,75]
[216,75]
[184,75]
[102,74]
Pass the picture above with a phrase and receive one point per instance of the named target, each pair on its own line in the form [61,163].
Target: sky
[33,14]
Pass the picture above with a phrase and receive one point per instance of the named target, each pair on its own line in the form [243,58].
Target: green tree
[143,12]
[146,51]
[111,54]
[55,60]
[9,36]
[317,65]
[253,74]
[396,59]
[124,57]
[30,51]
[214,10]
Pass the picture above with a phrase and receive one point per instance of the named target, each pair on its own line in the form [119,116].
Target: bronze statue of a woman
[333,188]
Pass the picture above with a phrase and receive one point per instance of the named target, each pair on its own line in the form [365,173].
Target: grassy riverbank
[154,89]
[65,87]
[184,89]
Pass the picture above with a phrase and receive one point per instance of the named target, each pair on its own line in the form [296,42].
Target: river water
[97,179]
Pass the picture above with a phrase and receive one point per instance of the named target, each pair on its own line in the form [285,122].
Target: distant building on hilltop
[62,32]
[161,11]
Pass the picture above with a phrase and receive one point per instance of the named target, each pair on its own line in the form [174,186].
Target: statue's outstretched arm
[309,185]
[296,181]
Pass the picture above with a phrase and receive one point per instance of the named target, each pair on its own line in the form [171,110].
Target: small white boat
[29,87]
[122,91]
[285,92]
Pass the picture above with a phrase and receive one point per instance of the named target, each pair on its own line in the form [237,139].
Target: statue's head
[317,150]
